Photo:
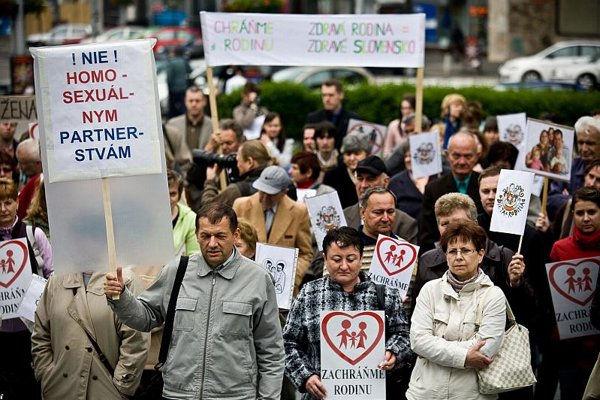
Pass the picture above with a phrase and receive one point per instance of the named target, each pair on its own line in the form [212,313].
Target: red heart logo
[342,328]
[9,251]
[395,256]
[575,281]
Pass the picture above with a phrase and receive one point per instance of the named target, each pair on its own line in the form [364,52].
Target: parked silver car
[543,65]
[60,34]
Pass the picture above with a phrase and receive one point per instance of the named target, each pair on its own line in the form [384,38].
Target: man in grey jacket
[226,341]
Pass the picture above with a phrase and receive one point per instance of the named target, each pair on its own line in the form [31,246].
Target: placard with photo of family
[549,149]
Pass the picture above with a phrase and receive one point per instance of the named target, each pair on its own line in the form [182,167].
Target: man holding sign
[346,288]
[209,354]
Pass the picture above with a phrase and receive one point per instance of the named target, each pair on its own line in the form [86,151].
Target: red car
[173,36]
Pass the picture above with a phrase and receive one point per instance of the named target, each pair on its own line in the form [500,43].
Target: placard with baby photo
[548,150]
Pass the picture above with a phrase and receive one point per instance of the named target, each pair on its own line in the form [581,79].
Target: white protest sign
[97,109]
[316,40]
[325,213]
[305,193]
[572,285]
[425,154]
[255,129]
[547,150]
[512,128]
[281,263]
[352,346]
[375,132]
[512,202]
[17,108]
[31,298]
[393,263]
[15,275]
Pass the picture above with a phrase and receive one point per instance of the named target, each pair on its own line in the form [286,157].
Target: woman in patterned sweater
[346,288]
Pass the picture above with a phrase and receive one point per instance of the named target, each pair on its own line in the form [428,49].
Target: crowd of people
[226,336]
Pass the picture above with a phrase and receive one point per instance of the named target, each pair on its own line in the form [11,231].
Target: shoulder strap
[36,251]
[509,312]
[380,296]
[101,355]
[168,329]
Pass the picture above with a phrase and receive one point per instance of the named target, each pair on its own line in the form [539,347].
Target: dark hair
[251,87]
[307,160]
[364,199]
[586,193]
[343,236]
[281,138]
[339,87]
[411,99]
[468,231]
[7,158]
[174,177]
[215,212]
[502,151]
[230,124]
[325,129]
[490,171]
[194,89]
[590,166]
[491,124]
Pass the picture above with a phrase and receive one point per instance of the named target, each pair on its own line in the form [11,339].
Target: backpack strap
[168,330]
[36,251]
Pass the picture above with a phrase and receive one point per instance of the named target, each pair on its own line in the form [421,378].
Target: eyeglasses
[464,251]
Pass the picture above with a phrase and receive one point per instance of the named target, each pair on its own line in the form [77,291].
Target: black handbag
[153,389]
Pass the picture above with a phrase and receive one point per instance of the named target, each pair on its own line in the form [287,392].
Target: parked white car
[542,66]
[586,76]
[117,33]
[61,34]
[313,77]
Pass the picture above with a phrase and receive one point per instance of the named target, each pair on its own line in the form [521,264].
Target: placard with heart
[15,275]
[393,262]
[572,285]
[353,344]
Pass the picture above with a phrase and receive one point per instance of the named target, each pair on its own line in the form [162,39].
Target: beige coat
[64,359]
[442,331]
[291,228]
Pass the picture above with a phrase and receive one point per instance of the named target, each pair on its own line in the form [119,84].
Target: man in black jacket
[462,155]
[332,94]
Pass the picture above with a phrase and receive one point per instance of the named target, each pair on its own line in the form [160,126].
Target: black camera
[205,158]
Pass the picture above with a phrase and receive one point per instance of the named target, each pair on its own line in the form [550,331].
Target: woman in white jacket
[443,332]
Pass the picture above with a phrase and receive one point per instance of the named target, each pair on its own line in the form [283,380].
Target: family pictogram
[584,284]
[396,259]
[8,266]
[354,337]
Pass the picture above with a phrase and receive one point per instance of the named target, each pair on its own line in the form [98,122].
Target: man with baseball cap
[278,219]
[370,173]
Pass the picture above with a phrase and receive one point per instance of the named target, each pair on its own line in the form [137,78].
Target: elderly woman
[346,288]
[16,376]
[246,244]
[450,346]
[572,359]
[72,322]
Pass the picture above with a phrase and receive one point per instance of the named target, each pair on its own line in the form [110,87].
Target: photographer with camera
[252,158]
[249,108]
[228,138]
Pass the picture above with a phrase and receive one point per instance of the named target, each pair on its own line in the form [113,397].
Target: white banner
[15,275]
[425,154]
[393,263]
[572,285]
[547,150]
[315,40]
[512,128]
[98,105]
[281,263]
[376,133]
[325,213]
[512,202]
[352,347]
